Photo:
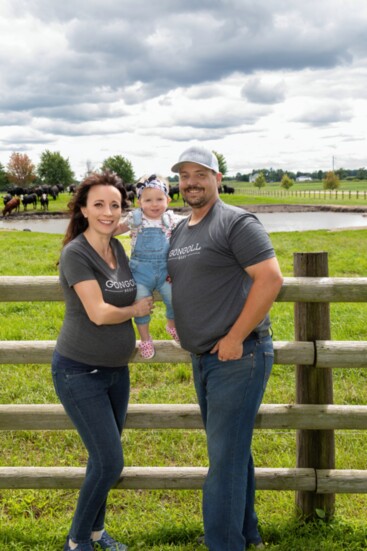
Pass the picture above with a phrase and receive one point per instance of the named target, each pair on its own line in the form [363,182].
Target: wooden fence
[310,193]
[314,416]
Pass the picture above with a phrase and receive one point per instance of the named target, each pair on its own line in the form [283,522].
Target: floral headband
[152,182]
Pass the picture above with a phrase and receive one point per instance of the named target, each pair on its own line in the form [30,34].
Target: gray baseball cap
[198,155]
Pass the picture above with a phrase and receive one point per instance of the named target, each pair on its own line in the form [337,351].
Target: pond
[273,222]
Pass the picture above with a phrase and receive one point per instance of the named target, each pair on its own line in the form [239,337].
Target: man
[225,278]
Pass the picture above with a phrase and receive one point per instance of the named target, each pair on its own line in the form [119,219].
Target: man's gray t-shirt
[206,263]
[80,339]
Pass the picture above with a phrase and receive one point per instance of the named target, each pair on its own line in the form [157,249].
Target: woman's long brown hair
[78,224]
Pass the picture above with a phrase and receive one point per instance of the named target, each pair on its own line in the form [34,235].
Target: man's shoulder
[231,213]
[230,210]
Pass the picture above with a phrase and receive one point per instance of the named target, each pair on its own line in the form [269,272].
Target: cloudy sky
[267,83]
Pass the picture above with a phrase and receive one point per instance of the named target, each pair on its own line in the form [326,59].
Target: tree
[260,181]
[340,173]
[21,170]
[221,162]
[121,166]
[286,182]
[331,180]
[361,174]
[54,169]
[4,181]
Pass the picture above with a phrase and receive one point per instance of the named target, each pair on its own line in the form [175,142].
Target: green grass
[247,194]
[171,520]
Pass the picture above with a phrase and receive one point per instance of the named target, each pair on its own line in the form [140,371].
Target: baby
[150,228]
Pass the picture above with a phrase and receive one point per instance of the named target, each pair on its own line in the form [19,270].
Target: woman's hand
[143,307]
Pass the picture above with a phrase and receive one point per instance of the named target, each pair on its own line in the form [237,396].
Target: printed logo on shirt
[183,252]
[126,285]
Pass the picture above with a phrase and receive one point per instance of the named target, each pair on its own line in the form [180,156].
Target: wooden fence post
[315,448]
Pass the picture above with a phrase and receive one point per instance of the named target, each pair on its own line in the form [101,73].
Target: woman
[89,365]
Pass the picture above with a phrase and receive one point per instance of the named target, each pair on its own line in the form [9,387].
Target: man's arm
[267,281]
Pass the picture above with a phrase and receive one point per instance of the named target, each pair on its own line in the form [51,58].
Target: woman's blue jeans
[96,400]
[229,395]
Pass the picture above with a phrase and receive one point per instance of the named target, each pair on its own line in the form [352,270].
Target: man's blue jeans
[96,401]
[229,395]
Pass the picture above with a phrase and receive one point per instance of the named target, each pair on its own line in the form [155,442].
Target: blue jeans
[229,395]
[147,290]
[96,401]
[148,265]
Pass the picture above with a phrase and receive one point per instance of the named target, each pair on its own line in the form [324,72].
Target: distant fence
[314,479]
[311,193]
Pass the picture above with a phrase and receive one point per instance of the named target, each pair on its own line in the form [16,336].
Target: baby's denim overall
[148,265]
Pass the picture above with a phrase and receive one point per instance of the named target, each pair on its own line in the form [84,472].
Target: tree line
[273,176]
[54,169]
[330,181]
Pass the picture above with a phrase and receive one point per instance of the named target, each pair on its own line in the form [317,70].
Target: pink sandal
[172,331]
[147,349]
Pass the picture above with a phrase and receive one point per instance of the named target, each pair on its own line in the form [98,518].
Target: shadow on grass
[291,536]
[318,535]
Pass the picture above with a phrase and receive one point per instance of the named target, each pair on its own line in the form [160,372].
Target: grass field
[247,194]
[171,520]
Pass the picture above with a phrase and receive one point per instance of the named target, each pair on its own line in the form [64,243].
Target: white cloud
[271,83]
[257,91]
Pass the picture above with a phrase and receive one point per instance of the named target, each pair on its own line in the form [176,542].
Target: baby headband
[153,182]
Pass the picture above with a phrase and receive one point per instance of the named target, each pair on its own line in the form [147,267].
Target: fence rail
[320,481]
[310,193]
[294,289]
[326,354]
[310,354]
[187,416]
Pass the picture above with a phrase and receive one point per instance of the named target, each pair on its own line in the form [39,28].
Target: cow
[30,199]
[38,191]
[54,192]
[130,192]
[44,201]
[7,198]
[71,188]
[173,192]
[227,189]
[17,190]
[13,204]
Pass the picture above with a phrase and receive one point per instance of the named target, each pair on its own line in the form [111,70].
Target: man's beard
[198,201]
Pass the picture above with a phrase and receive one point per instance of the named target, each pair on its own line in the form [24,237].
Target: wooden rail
[187,416]
[294,289]
[186,478]
[318,354]
[333,354]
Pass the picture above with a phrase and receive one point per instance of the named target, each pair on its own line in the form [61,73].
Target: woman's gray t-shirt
[80,339]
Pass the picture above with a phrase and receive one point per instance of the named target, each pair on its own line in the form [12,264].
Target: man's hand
[228,349]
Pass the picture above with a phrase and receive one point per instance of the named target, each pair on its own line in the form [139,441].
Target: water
[49,225]
[305,221]
[273,222]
